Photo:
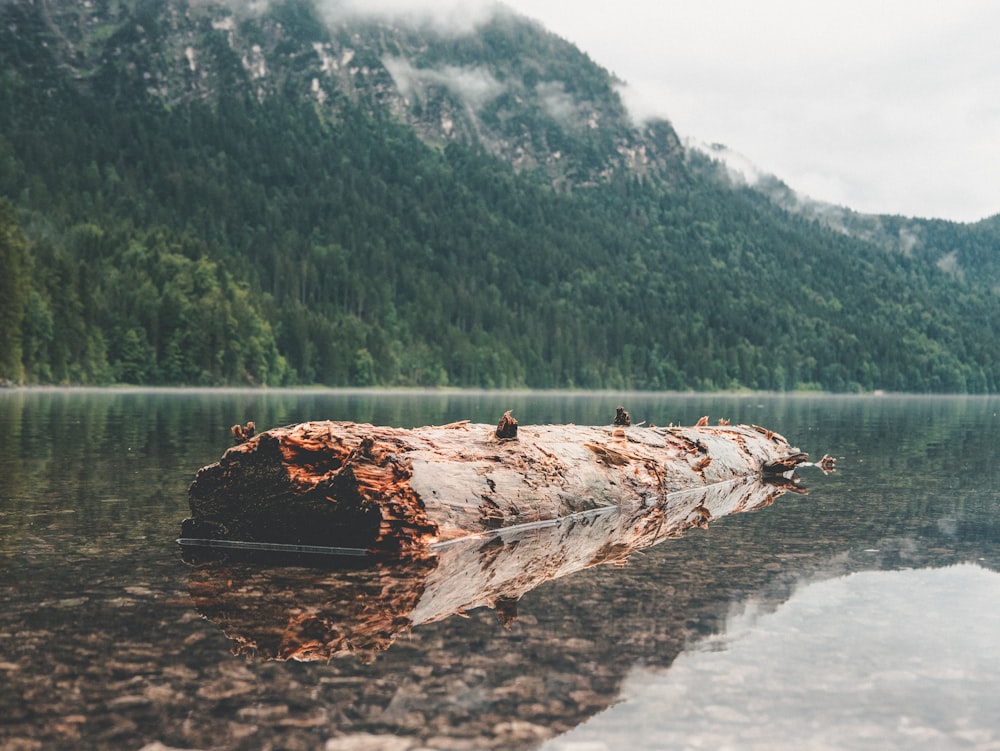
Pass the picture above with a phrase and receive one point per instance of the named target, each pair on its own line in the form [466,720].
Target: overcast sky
[884,106]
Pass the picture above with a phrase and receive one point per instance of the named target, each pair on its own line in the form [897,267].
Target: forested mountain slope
[197,195]
[969,252]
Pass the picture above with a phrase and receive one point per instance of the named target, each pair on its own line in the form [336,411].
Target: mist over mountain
[300,192]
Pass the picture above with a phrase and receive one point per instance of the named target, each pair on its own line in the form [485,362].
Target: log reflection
[325,608]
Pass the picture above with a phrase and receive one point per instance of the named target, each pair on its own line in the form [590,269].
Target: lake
[862,615]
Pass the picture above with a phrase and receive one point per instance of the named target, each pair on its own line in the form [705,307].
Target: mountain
[275,193]
[967,251]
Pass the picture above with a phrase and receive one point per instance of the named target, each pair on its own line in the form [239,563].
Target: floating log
[388,489]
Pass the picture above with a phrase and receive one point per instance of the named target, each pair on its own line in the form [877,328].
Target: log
[400,491]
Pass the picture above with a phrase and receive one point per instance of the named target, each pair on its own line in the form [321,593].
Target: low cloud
[740,169]
[240,7]
[475,86]
[446,16]
[909,240]
[641,107]
[557,102]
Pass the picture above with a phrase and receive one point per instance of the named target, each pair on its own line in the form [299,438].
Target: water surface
[861,615]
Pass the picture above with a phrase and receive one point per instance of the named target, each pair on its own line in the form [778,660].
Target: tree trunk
[408,491]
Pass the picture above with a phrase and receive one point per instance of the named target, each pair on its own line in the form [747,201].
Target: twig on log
[507,428]
[243,433]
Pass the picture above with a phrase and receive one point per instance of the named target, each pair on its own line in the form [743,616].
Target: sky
[882,106]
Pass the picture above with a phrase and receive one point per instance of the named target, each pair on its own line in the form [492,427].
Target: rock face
[394,490]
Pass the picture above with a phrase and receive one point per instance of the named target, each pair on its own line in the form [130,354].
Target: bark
[389,489]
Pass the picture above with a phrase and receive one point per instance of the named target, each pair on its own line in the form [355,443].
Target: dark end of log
[243,433]
[291,486]
[622,418]
[785,464]
[507,428]
[827,464]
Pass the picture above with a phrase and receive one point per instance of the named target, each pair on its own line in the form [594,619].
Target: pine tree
[13,292]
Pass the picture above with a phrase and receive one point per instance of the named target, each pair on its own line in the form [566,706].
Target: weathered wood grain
[392,489]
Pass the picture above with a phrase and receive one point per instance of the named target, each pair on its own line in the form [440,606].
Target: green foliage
[13,293]
[231,240]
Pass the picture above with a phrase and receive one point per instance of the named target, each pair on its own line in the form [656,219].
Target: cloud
[559,104]
[643,103]
[740,169]
[475,86]
[446,16]
[240,7]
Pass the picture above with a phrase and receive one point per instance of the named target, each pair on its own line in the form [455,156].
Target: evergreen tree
[14,292]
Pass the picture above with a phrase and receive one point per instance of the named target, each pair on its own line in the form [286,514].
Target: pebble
[223,688]
[369,742]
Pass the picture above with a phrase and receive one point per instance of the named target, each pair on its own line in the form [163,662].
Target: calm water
[862,615]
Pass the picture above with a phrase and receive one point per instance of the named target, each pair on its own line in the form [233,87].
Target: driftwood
[407,491]
[318,613]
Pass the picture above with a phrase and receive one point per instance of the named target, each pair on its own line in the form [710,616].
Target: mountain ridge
[964,249]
